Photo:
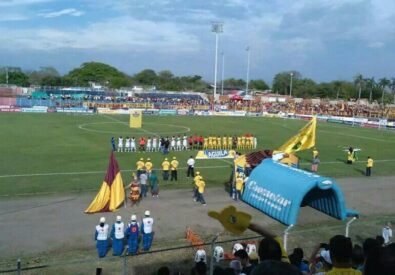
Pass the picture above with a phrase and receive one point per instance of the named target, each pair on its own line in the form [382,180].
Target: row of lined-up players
[178,143]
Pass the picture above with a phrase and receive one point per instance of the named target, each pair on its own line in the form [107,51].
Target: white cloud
[376,45]
[117,34]
[71,12]
[12,17]
[12,3]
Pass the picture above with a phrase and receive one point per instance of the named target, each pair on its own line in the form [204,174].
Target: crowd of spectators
[159,100]
[374,256]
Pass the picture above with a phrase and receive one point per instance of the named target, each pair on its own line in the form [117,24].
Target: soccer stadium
[150,172]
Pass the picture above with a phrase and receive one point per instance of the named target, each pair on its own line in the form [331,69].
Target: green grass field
[62,153]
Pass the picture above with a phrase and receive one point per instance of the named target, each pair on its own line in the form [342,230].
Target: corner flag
[305,139]
[111,194]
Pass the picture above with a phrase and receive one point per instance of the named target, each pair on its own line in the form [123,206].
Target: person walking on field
[314,164]
[191,167]
[143,185]
[369,165]
[174,165]
[201,187]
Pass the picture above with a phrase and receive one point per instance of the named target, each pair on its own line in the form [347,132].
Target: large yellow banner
[136,118]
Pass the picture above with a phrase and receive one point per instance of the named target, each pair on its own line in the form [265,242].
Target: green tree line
[287,83]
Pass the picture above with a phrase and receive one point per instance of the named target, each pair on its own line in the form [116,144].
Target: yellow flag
[136,119]
[305,139]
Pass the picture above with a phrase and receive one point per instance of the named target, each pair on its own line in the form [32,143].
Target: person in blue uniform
[117,236]
[101,237]
[114,148]
[132,233]
[146,230]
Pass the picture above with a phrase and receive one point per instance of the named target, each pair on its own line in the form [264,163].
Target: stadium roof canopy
[279,191]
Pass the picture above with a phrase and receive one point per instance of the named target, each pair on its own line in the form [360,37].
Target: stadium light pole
[217,28]
[290,85]
[223,70]
[248,68]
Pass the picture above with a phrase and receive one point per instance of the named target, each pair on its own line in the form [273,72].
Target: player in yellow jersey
[230,141]
[243,142]
[219,145]
[224,142]
[238,146]
[210,142]
[214,143]
[205,143]
[140,167]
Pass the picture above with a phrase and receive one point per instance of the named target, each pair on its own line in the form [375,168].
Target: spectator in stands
[242,256]
[358,258]
[236,267]
[272,267]
[340,248]
[296,258]
[199,269]
[381,261]
[164,270]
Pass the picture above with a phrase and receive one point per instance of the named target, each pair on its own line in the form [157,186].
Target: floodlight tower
[223,70]
[248,68]
[290,85]
[217,28]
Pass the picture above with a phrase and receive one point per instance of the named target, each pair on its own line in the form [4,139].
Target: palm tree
[338,86]
[383,83]
[359,81]
[371,83]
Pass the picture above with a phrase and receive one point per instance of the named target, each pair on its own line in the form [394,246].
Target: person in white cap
[132,233]
[117,236]
[101,237]
[146,230]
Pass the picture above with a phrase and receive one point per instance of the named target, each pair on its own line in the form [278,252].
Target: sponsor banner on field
[106,111]
[151,112]
[73,110]
[35,109]
[166,112]
[216,154]
[10,109]
[203,113]
[183,112]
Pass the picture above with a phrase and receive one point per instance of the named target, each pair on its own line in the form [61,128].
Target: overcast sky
[323,39]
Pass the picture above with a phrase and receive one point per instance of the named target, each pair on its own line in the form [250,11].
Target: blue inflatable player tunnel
[279,191]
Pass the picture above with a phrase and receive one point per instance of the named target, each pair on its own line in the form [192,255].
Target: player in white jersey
[149,144]
[120,144]
[178,143]
[173,143]
[185,143]
[127,144]
[154,144]
[133,145]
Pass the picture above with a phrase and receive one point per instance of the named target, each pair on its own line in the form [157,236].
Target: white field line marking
[82,127]
[362,137]
[181,168]
[146,131]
